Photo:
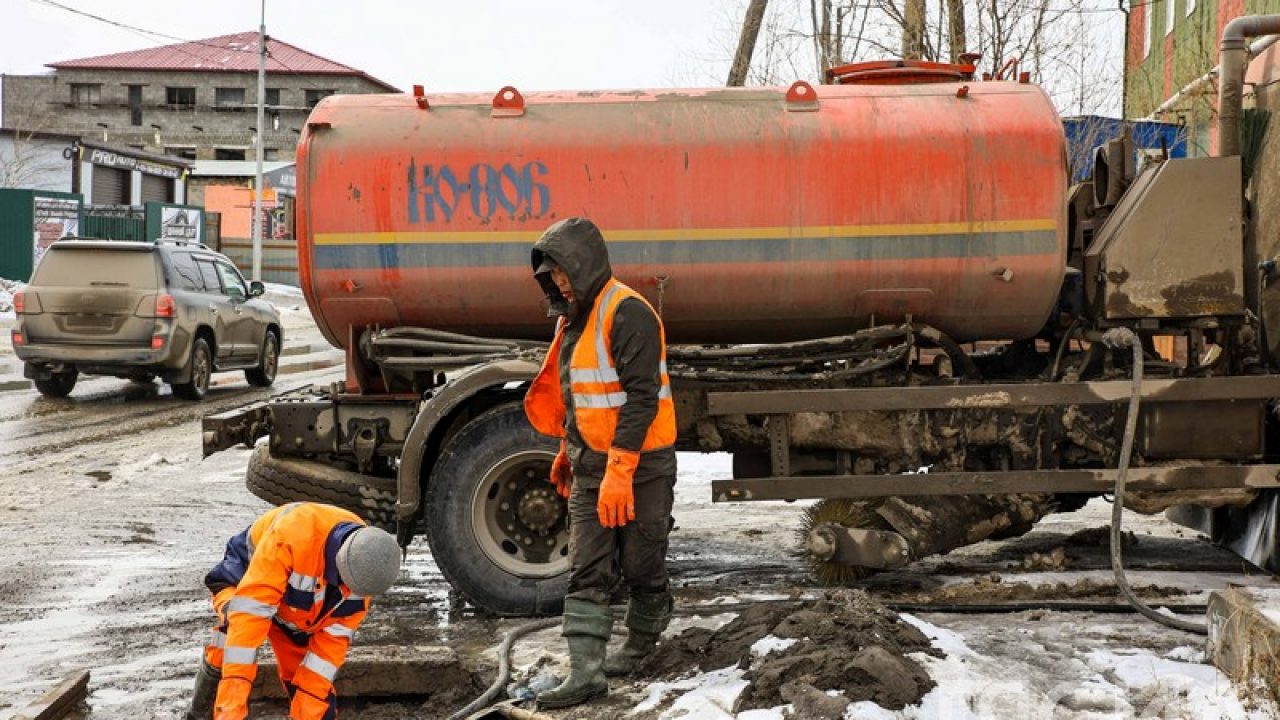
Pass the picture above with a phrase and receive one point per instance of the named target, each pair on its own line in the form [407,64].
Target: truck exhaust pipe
[1233,59]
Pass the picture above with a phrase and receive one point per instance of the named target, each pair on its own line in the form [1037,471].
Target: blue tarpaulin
[1086,132]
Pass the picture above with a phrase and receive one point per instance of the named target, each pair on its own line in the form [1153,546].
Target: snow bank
[7,289]
[1103,683]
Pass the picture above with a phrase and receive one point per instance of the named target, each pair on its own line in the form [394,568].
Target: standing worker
[300,576]
[603,390]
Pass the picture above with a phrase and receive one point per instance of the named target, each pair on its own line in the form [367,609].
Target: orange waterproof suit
[279,581]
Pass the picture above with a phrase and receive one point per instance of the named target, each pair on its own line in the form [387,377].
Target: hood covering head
[575,245]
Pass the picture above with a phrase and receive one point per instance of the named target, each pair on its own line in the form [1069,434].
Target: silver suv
[177,311]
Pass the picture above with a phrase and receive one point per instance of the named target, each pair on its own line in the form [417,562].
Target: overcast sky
[460,45]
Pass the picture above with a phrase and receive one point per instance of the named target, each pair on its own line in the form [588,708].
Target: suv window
[232,283]
[84,267]
[209,275]
[186,274]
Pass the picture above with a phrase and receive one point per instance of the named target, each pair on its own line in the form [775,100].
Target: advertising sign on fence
[52,218]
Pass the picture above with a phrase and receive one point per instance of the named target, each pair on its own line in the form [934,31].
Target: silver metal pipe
[1233,57]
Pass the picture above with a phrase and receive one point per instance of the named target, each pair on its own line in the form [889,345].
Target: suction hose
[1119,338]
[504,666]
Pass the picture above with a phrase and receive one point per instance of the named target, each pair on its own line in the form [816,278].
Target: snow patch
[707,696]
[770,644]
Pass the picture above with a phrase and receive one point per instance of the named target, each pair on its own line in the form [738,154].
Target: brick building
[1170,44]
[194,100]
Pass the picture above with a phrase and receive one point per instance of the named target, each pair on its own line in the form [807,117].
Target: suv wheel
[59,384]
[201,364]
[265,373]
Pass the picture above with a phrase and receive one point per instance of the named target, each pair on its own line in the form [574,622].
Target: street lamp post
[257,182]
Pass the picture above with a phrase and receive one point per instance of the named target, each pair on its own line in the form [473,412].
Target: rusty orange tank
[745,215]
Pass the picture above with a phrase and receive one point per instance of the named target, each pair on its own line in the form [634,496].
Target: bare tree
[747,42]
[1055,41]
[27,160]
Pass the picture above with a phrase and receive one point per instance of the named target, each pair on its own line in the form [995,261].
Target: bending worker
[603,390]
[300,576]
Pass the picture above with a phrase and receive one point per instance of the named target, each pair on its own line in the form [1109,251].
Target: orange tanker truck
[858,279]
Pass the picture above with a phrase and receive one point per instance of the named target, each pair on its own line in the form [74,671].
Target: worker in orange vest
[603,390]
[300,576]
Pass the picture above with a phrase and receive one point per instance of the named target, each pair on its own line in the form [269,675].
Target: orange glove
[561,472]
[617,504]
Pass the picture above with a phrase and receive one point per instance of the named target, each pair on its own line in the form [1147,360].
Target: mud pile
[843,641]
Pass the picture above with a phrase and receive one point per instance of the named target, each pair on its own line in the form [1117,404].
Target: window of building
[1168,16]
[180,97]
[86,93]
[270,153]
[272,97]
[228,154]
[135,105]
[228,97]
[315,96]
[186,153]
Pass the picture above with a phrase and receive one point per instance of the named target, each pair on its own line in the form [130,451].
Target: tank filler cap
[420,96]
[508,103]
[801,97]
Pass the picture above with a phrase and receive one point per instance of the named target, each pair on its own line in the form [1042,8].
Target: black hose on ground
[504,666]
[1118,338]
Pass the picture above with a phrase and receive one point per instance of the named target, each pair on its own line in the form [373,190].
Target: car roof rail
[184,243]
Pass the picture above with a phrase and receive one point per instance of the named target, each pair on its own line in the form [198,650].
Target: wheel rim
[200,370]
[270,358]
[519,521]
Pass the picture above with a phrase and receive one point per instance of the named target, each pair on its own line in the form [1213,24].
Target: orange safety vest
[284,585]
[597,392]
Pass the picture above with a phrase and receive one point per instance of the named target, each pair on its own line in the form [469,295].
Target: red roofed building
[195,100]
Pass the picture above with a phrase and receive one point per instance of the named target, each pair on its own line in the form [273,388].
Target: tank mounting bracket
[508,103]
[801,97]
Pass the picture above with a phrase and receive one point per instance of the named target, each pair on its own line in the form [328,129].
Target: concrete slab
[383,671]
[1244,638]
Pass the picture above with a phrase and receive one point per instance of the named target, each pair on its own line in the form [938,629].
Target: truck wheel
[201,363]
[284,480]
[265,373]
[59,384]
[497,529]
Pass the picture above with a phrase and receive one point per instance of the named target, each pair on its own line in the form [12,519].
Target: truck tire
[284,480]
[497,529]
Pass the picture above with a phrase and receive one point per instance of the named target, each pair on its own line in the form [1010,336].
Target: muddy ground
[109,518]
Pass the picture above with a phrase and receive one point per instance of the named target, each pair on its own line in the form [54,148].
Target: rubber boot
[586,629]
[206,692]
[648,615]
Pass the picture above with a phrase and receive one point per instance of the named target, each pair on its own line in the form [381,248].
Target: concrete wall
[44,102]
[34,163]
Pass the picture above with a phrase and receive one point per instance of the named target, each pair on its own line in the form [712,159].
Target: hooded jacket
[576,245]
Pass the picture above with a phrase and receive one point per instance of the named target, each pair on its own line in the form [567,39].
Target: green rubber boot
[206,692]
[586,629]
[647,616]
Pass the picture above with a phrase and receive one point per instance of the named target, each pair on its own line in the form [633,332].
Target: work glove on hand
[617,505]
[562,472]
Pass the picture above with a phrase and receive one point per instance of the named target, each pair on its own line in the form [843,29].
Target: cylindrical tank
[743,215]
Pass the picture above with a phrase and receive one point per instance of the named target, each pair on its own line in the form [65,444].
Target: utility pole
[913,30]
[955,19]
[747,43]
[262,129]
